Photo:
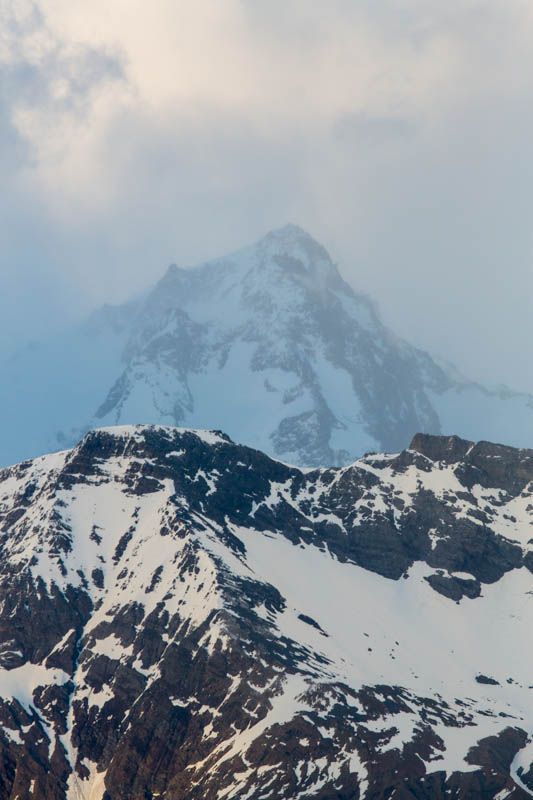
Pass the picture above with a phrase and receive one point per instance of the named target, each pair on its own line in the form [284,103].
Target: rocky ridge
[183,618]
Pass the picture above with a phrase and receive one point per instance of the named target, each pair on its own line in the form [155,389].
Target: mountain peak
[289,231]
[291,237]
[267,342]
[302,257]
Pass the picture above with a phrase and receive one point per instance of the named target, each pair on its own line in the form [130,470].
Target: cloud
[399,132]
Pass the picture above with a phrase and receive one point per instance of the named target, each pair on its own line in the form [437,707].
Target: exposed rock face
[185,618]
[490,465]
[269,344]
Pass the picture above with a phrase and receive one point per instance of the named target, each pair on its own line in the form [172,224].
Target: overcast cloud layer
[398,133]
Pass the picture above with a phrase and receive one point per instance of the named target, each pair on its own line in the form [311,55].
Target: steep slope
[183,617]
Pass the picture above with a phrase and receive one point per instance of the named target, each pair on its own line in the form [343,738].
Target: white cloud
[139,133]
[290,69]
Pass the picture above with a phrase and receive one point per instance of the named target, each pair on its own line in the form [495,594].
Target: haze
[398,134]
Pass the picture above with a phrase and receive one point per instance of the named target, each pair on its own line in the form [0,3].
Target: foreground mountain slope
[269,344]
[183,617]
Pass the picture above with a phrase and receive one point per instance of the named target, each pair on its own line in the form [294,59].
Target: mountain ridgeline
[185,618]
[269,344]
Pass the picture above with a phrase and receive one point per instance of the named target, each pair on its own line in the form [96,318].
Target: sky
[399,134]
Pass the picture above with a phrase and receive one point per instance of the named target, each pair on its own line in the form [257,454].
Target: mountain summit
[268,343]
[271,345]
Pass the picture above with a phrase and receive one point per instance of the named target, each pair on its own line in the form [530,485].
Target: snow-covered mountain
[269,344]
[185,618]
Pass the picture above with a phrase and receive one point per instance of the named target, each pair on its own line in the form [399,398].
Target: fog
[132,136]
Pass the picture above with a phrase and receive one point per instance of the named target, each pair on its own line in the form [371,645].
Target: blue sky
[399,134]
